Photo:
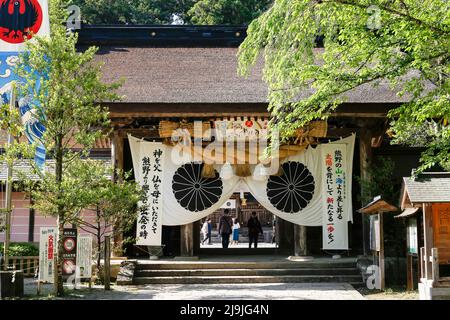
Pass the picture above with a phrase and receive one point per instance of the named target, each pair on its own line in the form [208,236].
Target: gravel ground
[389,294]
[260,291]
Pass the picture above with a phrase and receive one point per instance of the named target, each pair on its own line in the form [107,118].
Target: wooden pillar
[285,231]
[435,265]
[409,273]
[187,240]
[381,253]
[300,247]
[365,161]
[117,159]
[197,226]
[428,239]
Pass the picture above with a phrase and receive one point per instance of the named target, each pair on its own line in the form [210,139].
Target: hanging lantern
[260,172]
[226,172]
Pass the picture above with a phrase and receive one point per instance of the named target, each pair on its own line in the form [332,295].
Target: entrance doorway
[241,205]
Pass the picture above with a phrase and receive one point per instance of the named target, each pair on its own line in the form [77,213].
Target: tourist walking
[254,229]
[206,230]
[225,228]
[236,227]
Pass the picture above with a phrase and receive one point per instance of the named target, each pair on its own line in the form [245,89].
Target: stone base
[180,258]
[427,292]
[126,273]
[300,258]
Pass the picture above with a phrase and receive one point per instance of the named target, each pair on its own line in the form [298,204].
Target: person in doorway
[236,227]
[254,229]
[206,230]
[274,229]
[225,228]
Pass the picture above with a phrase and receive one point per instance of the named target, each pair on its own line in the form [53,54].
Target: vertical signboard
[47,251]
[150,175]
[69,251]
[84,257]
[411,236]
[335,200]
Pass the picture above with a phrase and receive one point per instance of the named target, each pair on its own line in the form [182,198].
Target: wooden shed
[429,195]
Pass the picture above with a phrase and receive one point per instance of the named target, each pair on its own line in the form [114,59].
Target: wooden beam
[158,110]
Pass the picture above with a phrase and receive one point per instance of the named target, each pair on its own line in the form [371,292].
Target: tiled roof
[428,188]
[23,167]
[201,75]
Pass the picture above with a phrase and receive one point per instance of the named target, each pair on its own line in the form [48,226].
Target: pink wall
[21,218]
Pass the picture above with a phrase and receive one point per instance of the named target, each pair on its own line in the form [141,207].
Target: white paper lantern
[260,172]
[226,172]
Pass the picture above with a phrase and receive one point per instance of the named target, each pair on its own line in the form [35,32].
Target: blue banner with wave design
[30,111]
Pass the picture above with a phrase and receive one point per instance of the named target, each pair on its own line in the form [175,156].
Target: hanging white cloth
[297,196]
[303,173]
[186,195]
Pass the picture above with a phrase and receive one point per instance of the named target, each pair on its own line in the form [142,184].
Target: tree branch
[393,11]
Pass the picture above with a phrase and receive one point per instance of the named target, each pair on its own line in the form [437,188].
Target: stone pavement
[260,291]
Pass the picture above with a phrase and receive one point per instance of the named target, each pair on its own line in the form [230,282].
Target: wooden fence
[29,265]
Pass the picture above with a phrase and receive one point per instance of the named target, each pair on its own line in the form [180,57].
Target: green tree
[132,11]
[404,42]
[67,105]
[114,203]
[212,12]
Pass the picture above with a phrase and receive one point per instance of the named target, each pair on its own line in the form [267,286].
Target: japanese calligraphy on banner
[150,175]
[47,250]
[335,198]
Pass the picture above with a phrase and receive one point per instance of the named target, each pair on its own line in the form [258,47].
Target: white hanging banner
[84,257]
[47,252]
[148,161]
[297,195]
[335,196]
[186,195]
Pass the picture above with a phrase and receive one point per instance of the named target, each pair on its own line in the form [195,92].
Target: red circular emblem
[19,20]
[249,123]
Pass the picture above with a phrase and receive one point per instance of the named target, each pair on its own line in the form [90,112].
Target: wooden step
[245,272]
[352,279]
[178,265]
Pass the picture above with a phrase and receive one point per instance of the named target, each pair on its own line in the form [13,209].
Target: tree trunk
[59,288]
[99,244]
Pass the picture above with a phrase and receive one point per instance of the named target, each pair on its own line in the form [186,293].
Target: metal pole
[9,189]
